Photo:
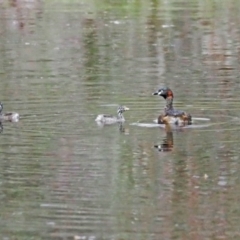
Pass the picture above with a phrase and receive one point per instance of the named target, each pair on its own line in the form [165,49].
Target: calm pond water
[64,177]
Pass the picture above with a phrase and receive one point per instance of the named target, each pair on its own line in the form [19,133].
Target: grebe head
[164,92]
[122,109]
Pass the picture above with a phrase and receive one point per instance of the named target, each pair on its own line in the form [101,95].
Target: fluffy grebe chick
[10,116]
[171,115]
[109,119]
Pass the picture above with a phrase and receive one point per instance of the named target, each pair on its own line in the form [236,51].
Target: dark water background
[64,177]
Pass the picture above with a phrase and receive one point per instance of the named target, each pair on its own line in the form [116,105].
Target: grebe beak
[126,108]
[159,92]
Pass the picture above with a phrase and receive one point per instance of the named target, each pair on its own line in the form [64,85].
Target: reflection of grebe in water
[121,127]
[1,127]
[171,115]
[167,144]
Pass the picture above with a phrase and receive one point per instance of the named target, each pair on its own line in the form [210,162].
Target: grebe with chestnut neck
[171,115]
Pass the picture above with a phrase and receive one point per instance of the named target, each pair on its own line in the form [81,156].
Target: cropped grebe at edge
[171,115]
[109,119]
[10,116]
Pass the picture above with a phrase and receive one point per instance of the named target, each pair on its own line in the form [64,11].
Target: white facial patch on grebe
[160,92]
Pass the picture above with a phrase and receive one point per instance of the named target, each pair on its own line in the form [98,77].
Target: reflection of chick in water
[167,144]
[1,127]
[121,127]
